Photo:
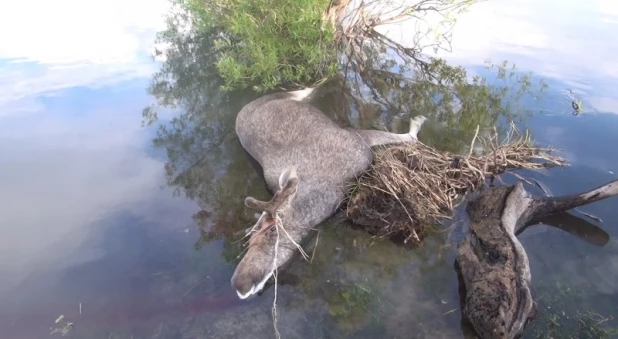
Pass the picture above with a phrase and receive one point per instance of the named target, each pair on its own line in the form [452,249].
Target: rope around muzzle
[277,222]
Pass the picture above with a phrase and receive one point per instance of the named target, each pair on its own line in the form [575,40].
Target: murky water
[132,232]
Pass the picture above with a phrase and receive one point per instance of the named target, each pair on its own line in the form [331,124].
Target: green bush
[266,43]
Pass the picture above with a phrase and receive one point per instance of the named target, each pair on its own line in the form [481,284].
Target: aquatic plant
[354,305]
[264,44]
[568,313]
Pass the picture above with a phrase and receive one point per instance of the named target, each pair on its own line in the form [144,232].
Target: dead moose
[306,159]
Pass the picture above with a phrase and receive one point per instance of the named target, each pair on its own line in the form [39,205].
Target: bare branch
[544,207]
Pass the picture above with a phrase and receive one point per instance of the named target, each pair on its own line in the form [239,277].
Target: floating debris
[576,104]
[64,330]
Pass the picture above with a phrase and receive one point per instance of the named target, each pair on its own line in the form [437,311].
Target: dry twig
[412,186]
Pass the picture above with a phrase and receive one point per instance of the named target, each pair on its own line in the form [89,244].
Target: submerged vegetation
[568,313]
[353,305]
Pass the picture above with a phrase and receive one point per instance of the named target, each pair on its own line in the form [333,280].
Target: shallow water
[131,231]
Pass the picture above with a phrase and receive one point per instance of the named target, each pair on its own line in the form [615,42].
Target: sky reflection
[69,43]
[574,44]
[72,79]
[67,167]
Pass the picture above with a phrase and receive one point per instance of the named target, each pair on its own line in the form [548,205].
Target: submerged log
[492,264]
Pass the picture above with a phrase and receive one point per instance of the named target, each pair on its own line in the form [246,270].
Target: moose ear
[288,182]
[255,204]
[287,174]
[288,191]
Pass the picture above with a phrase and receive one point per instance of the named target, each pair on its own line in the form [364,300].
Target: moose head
[269,246]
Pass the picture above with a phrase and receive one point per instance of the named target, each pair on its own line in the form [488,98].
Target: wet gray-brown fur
[279,131]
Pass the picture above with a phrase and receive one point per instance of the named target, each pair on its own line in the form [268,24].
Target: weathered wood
[493,265]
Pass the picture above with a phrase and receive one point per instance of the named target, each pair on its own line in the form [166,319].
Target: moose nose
[246,295]
[243,285]
[249,284]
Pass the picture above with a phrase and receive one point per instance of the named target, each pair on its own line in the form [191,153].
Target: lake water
[131,231]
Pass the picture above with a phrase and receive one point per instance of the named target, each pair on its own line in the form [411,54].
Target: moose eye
[272,228]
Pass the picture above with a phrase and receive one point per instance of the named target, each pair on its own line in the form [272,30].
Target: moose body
[306,160]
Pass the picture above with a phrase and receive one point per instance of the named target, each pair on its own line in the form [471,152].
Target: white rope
[275,273]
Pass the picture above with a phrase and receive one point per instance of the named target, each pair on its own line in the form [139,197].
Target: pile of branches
[411,187]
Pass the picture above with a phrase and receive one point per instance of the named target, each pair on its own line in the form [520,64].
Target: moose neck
[315,201]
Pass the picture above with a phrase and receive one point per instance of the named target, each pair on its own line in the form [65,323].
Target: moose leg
[376,138]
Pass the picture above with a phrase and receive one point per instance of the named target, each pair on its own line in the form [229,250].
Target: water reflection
[82,206]
[573,47]
[354,285]
[84,220]
[396,82]
[205,161]
[74,174]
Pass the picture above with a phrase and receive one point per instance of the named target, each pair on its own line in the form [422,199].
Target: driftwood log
[492,265]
